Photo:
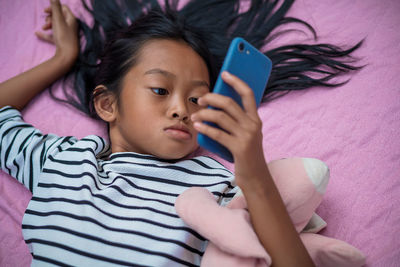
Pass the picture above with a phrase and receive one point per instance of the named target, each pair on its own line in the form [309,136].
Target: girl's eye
[160,91]
[193,100]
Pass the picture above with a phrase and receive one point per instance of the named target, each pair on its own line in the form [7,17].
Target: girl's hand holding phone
[241,128]
[64,36]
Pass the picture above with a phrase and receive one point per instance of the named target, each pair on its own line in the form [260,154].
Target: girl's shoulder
[13,127]
[93,145]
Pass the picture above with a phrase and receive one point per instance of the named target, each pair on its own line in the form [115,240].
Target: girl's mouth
[179,132]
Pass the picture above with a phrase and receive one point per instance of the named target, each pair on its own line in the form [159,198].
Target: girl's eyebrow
[168,74]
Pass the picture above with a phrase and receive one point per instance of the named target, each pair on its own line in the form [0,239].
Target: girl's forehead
[173,56]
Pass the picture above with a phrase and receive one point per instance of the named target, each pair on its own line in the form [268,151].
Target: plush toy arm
[330,252]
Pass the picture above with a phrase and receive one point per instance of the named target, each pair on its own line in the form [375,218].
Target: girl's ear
[105,103]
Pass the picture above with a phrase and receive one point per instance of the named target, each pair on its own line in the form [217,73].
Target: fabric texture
[353,128]
[92,208]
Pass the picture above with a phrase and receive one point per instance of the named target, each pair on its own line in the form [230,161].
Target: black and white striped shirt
[90,208]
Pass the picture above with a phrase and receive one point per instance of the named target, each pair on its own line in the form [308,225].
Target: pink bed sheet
[354,128]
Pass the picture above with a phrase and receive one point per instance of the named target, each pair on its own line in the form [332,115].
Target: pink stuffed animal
[232,240]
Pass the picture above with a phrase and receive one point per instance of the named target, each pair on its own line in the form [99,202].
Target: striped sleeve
[23,148]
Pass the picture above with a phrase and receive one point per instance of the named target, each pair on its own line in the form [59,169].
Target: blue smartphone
[250,65]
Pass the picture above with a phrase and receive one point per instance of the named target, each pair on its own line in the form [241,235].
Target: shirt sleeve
[23,148]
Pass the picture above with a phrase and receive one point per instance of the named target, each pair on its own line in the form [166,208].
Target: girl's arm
[243,137]
[19,90]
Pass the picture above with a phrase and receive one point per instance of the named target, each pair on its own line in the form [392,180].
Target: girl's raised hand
[64,26]
[242,133]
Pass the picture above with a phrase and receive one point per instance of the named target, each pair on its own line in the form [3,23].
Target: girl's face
[158,96]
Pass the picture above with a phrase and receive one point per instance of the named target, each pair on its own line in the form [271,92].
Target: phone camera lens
[241,47]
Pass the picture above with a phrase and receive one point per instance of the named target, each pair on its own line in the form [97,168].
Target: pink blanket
[354,128]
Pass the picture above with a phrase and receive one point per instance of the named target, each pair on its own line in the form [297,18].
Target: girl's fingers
[46,26]
[225,103]
[245,92]
[48,23]
[45,37]
[214,133]
[221,118]
[56,11]
[68,15]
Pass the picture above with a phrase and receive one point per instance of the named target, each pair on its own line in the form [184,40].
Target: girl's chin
[176,155]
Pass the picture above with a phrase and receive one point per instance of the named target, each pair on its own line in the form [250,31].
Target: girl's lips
[178,134]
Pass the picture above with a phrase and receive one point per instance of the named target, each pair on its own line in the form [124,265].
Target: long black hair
[122,27]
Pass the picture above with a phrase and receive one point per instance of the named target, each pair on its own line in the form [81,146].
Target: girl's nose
[183,117]
[179,110]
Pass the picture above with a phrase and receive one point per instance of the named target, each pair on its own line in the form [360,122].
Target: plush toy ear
[301,183]
[330,252]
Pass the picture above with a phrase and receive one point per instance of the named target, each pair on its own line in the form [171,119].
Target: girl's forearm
[19,90]
[273,225]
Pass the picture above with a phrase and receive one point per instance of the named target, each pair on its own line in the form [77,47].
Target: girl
[98,202]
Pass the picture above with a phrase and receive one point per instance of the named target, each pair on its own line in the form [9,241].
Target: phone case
[250,65]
